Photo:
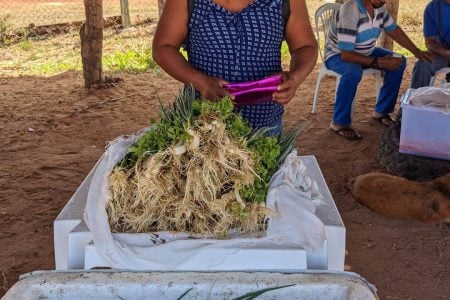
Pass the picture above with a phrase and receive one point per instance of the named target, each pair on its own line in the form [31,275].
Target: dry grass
[44,12]
[130,50]
[123,50]
[410,18]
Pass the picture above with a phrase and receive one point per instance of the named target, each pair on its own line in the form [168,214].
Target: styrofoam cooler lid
[116,284]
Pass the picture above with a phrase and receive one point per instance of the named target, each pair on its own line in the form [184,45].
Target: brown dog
[397,197]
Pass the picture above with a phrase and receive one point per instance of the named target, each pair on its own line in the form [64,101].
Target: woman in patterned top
[231,41]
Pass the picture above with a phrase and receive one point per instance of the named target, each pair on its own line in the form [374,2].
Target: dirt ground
[54,131]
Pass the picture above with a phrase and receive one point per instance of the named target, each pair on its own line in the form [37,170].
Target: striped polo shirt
[352,29]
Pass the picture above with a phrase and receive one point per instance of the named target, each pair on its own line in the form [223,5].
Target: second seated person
[351,47]
[436,29]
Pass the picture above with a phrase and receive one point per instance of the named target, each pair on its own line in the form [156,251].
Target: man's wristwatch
[374,63]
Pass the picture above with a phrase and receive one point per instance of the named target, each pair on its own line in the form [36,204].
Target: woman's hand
[286,90]
[211,88]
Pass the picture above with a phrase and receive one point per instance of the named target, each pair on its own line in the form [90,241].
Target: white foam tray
[74,249]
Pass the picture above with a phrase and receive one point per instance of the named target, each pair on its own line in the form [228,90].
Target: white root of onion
[181,188]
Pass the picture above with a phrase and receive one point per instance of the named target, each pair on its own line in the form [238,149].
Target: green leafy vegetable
[269,152]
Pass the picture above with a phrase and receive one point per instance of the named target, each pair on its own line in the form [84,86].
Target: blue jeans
[351,76]
[423,71]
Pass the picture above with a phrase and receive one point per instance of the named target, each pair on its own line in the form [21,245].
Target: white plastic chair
[440,71]
[324,15]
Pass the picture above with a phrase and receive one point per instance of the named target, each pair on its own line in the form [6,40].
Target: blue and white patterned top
[239,47]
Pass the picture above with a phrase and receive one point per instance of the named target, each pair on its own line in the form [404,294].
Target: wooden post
[386,42]
[125,13]
[91,34]
[161,6]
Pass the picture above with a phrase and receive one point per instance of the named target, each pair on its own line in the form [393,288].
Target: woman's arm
[170,33]
[303,48]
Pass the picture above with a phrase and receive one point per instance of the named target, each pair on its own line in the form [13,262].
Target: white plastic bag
[435,97]
[294,196]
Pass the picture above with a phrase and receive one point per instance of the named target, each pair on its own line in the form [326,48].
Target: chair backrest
[323,19]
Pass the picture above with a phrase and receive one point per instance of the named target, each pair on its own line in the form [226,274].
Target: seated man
[436,29]
[351,47]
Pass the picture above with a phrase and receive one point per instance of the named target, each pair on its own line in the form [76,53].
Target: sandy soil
[54,131]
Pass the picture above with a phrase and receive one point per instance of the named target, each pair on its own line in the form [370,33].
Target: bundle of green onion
[200,169]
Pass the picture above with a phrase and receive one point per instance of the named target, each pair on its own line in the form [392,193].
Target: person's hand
[390,62]
[212,88]
[424,55]
[286,90]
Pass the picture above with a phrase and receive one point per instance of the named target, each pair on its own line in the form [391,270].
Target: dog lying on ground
[397,197]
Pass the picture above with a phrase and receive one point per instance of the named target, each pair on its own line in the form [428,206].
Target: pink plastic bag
[254,92]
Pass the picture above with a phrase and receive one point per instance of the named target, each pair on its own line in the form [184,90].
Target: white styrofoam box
[70,217]
[115,284]
[445,84]
[425,130]
[270,258]
[332,256]
[74,250]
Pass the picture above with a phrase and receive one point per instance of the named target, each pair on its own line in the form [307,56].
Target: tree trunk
[91,34]
[161,6]
[386,41]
